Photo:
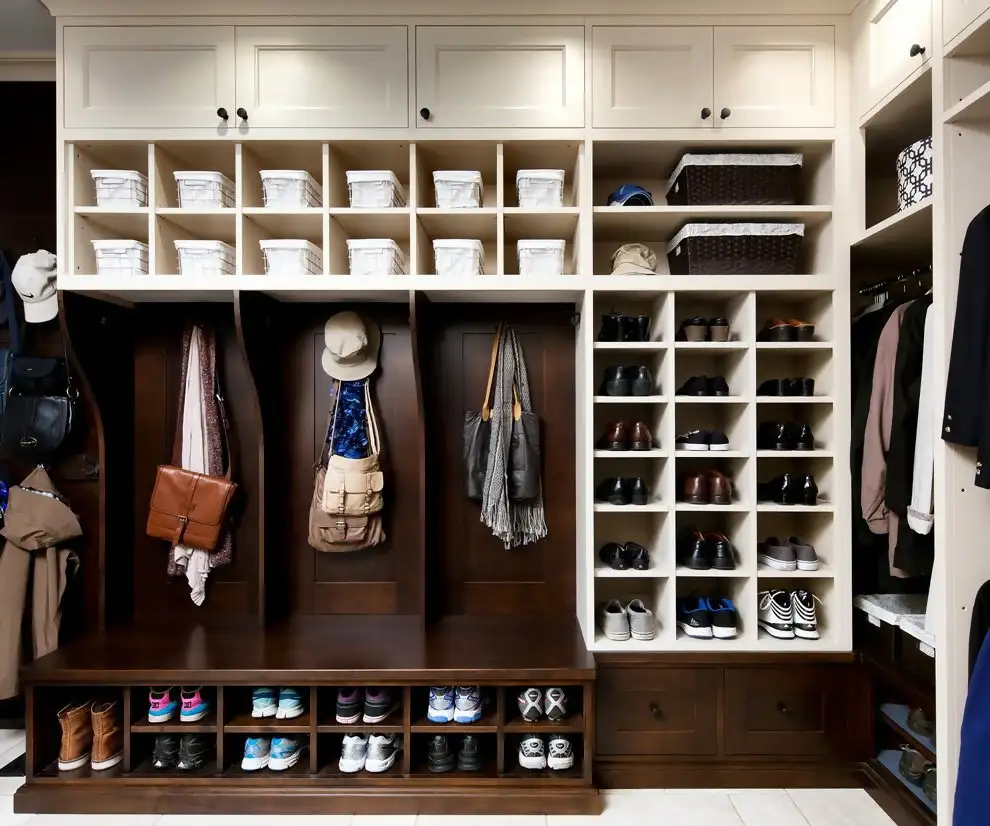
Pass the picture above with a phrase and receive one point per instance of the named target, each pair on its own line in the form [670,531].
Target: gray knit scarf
[515,523]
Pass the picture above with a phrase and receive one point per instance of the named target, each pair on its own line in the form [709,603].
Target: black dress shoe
[718,329]
[614,555]
[693,329]
[774,387]
[640,328]
[718,386]
[723,558]
[696,552]
[636,490]
[694,386]
[612,491]
[637,556]
[610,330]
[616,382]
[773,436]
[809,490]
[800,387]
[800,437]
[783,490]
[640,380]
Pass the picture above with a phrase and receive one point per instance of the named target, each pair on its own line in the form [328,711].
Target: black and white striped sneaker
[775,615]
[805,617]
[532,754]
[530,703]
[556,704]
[561,754]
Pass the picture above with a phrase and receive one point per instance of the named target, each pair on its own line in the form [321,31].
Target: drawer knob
[222,114]
[783,709]
[706,113]
[424,113]
[917,49]
[242,113]
[656,712]
[726,111]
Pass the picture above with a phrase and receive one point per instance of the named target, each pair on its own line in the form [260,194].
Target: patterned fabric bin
[914,174]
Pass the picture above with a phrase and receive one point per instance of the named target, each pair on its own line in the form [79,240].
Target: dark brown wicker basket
[699,185]
[736,255]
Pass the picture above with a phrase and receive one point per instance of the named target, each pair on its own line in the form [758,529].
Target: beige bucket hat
[352,346]
[634,259]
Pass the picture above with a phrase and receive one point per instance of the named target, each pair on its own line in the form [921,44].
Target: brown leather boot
[77,737]
[615,437]
[641,439]
[696,489]
[108,738]
[719,488]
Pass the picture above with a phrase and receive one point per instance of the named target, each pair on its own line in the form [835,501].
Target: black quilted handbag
[41,409]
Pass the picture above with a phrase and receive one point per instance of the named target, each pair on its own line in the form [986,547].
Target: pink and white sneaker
[194,707]
[161,706]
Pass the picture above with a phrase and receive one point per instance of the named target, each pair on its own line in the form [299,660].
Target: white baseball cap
[352,347]
[34,280]
[634,259]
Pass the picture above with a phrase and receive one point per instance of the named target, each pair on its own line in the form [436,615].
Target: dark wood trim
[418,308]
[722,774]
[725,659]
[890,794]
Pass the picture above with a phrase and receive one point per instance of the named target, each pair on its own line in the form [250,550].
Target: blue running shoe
[257,752]
[285,753]
[263,702]
[723,616]
[441,708]
[290,704]
[467,704]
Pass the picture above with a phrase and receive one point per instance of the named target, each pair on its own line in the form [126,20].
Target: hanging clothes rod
[880,286]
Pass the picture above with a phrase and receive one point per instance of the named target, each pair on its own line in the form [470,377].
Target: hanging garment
[519,522]
[350,431]
[201,452]
[877,436]
[972,799]
[966,420]
[37,521]
[919,515]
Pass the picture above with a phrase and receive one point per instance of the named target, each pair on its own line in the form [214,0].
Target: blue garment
[972,800]
[350,433]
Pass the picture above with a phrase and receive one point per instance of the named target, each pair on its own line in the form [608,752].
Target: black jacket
[967,391]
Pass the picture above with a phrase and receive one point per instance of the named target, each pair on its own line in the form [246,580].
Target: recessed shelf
[480,223]
[911,99]
[130,223]
[572,723]
[540,223]
[711,573]
[201,223]
[773,507]
[718,346]
[207,725]
[631,346]
[610,573]
[631,454]
[908,231]
[373,223]
[975,106]
[651,284]
[734,507]
[287,223]
[711,399]
[650,507]
[246,724]
[824,572]
[712,454]
[620,223]
[794,346]
[973,41]
[486,725]
[794,454]
[825,643]
[630,399]
[795,400]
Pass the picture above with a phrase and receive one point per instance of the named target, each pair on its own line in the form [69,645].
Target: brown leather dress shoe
[77,737]
[615,437]
[641,438]
[108,737]
[695,489]
[719,488]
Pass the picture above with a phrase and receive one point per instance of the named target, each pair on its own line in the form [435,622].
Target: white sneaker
[805,618]
[561,754]
[382,751]
[353,753]
[614,620]
[775,615]
[532,754]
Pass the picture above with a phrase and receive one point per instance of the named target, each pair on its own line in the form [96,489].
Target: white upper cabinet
[898,41]
[774,76]
[147,76]
[499,76]
[652,76]
[323,76]
[958,14]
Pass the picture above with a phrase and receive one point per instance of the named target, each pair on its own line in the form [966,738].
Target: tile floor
[695,807]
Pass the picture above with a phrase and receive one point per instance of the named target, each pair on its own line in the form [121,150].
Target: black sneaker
[530,704]
[555,704]
[694,386]
[723,616]
[693,617]
[165,754]
[439,757]
[193,751]
[379,703]
[693,440]
[469,754]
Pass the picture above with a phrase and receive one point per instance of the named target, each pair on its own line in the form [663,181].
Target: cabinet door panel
[652,76]
[775,75]
[323,76]
[958,14]
[147,76]
[894,27]
[500,75]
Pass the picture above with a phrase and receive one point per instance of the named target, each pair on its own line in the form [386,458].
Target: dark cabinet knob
[726,111]
[222,114]
[917,49]
[424,113]
[656,712]
[242,113]
[706,113]
[783,709]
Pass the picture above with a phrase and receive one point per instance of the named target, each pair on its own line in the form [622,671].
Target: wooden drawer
[657,710]
[776,711]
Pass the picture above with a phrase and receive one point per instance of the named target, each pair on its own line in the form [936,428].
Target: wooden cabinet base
[722,774]
[95,797]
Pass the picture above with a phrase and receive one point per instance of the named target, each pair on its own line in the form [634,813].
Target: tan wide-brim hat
[634,259]
[352,346]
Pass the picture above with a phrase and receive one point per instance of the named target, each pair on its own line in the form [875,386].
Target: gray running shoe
[777,554]
[804,553]
[642,623]
[614,621]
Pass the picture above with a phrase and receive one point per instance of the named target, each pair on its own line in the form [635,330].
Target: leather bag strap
[486,411]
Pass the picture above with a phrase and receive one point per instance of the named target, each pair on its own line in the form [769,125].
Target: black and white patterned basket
[914,174]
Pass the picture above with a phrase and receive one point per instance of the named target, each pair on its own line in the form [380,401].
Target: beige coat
[34,525]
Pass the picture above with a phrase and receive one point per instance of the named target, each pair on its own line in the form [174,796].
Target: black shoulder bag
[41,408]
